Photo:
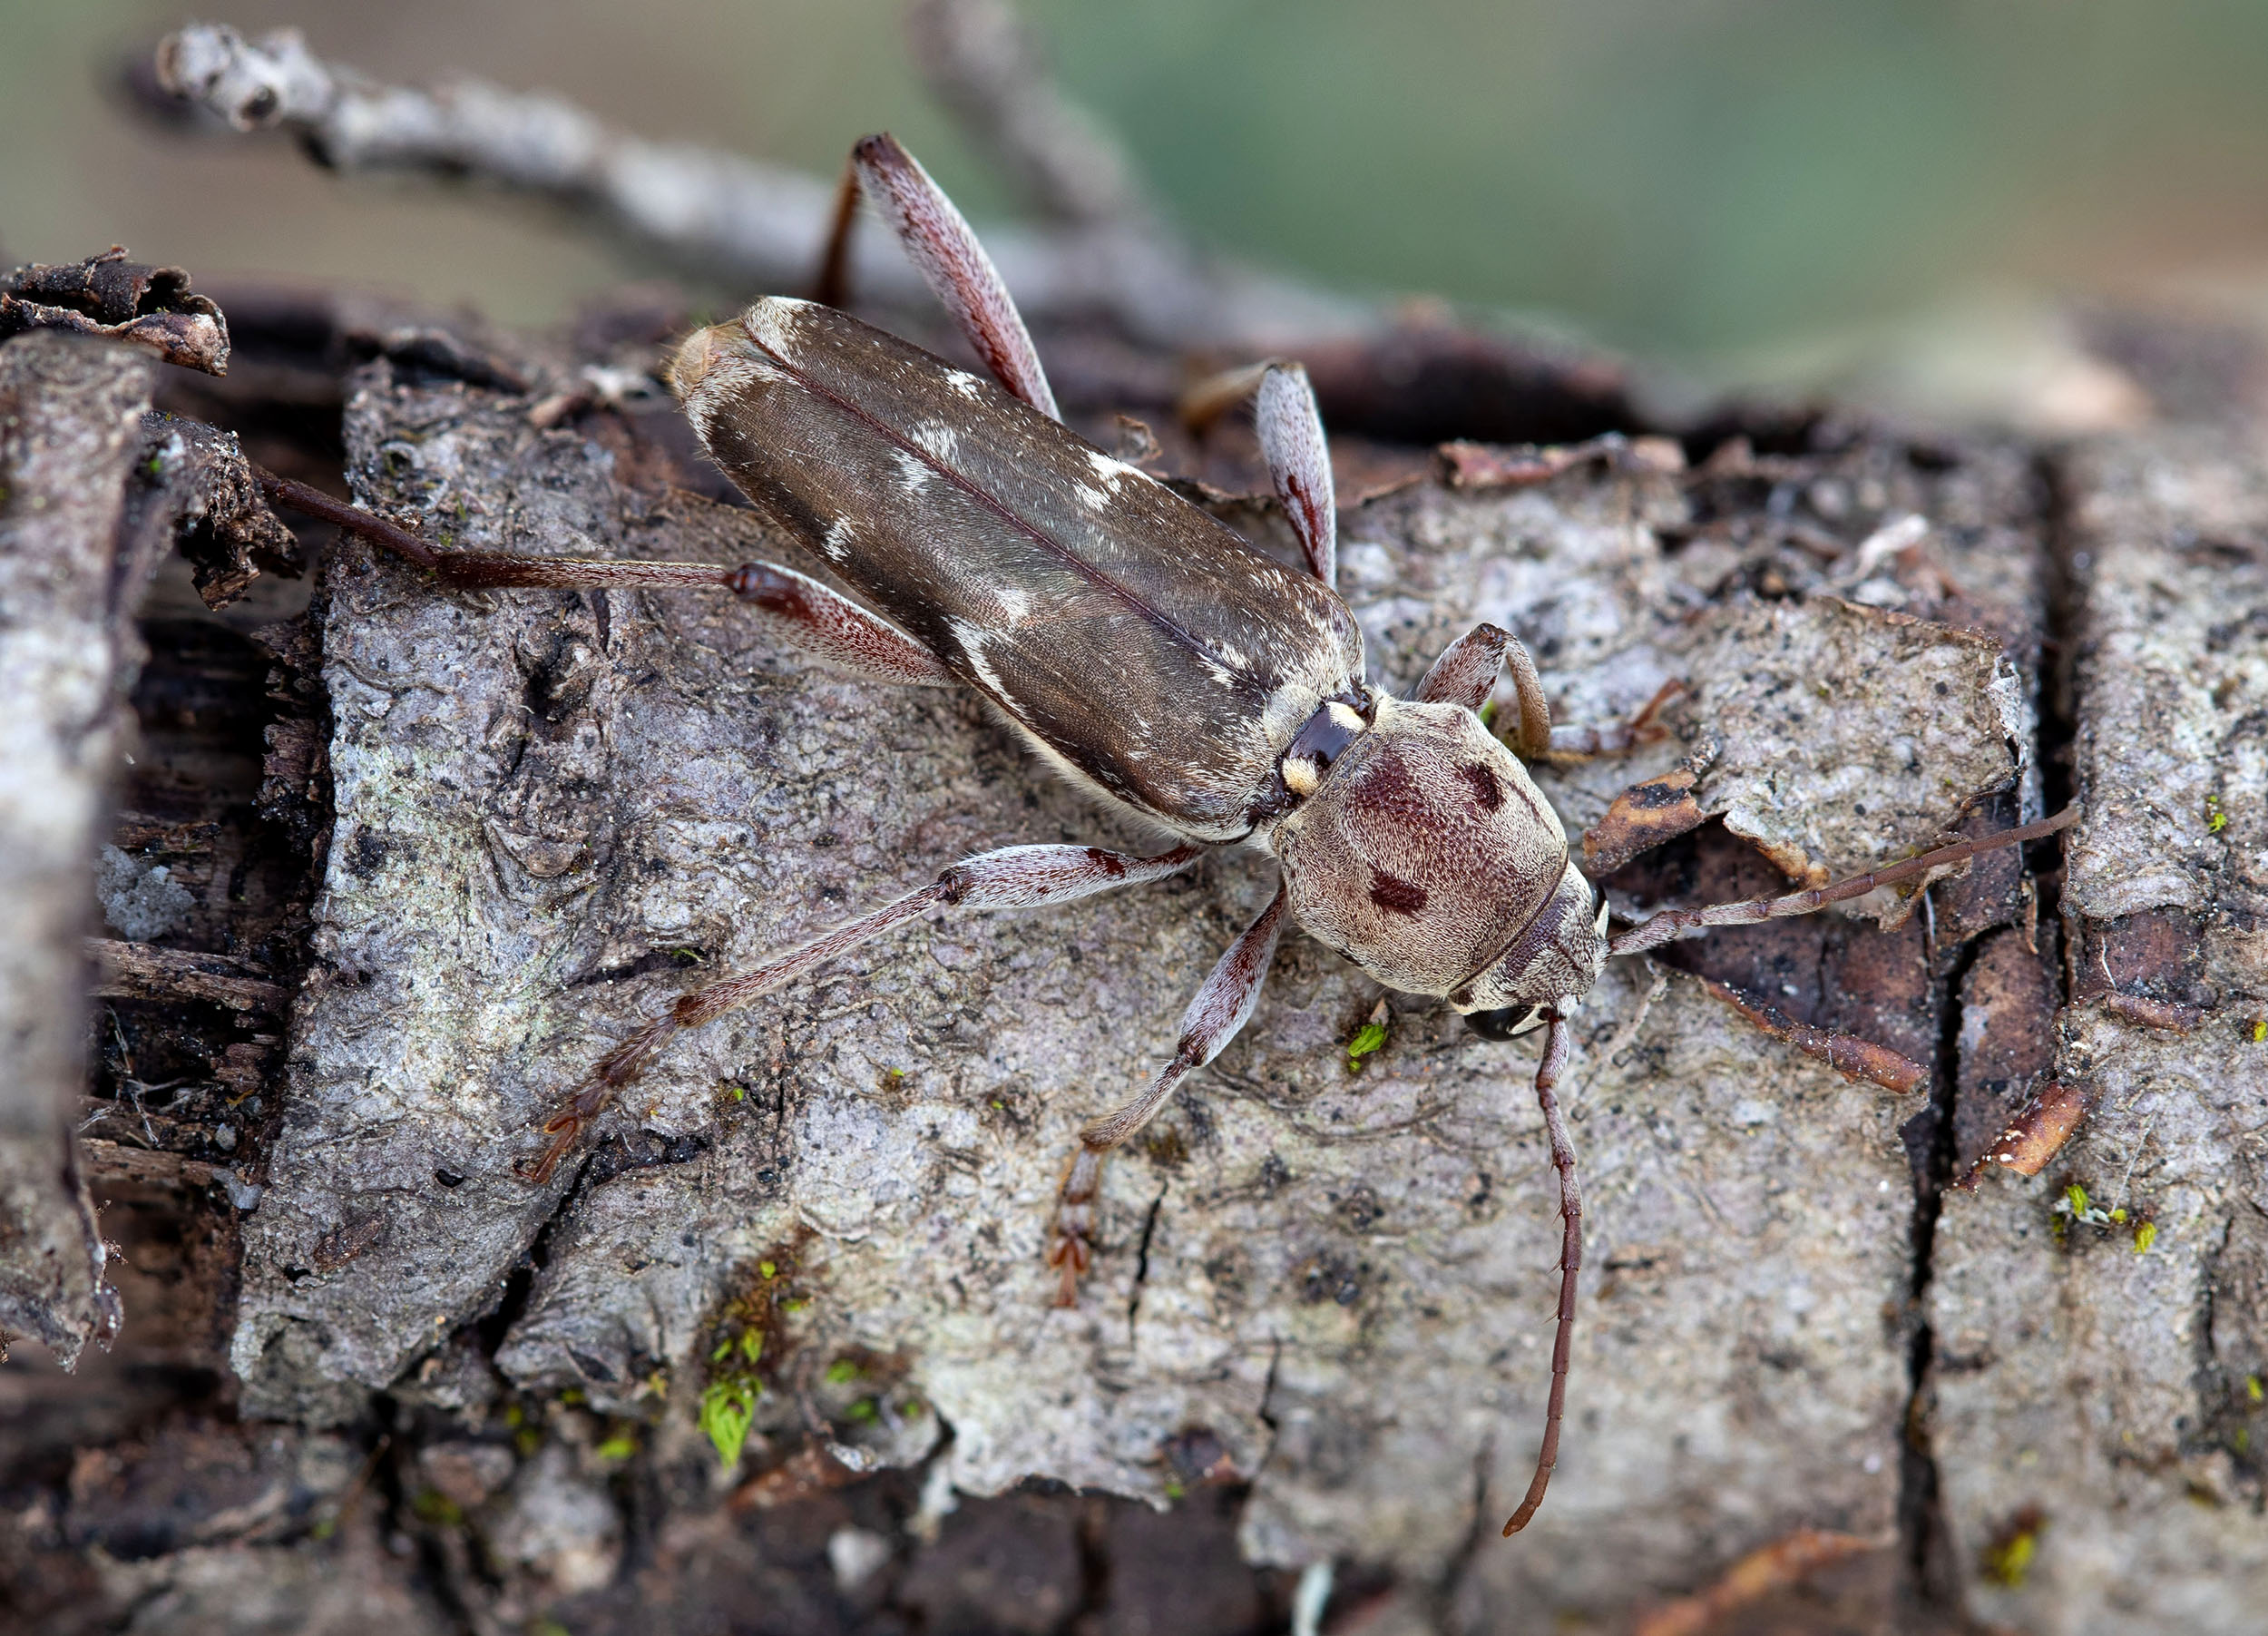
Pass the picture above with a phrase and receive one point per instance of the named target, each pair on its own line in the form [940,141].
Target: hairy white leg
[1299,462]
[1221,1007]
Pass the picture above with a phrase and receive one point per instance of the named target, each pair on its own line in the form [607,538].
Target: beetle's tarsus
[565,1131]
[1070,1248]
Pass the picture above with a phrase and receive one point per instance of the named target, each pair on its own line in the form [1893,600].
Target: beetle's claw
[1072,1256]
[564,1130]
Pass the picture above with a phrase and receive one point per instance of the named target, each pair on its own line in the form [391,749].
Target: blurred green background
[1713,183]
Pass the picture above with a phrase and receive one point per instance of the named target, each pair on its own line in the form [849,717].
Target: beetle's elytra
[1161,663]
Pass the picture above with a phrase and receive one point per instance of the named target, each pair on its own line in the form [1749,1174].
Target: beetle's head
[699,354]
[1428,857]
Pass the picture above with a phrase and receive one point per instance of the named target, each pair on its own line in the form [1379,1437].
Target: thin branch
[985,64]
[762,226]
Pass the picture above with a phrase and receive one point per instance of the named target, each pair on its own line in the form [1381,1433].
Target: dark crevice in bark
[1141,1259]
[1924,1535]
[2064,595]
[1479,1533]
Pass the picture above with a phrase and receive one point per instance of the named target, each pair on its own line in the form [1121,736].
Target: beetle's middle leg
[1221,1007]
[1290,428]
[1010,877]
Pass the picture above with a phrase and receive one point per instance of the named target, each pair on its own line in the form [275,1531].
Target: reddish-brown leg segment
[1221,1007]
[1011,877]
[1555,1048]
[953,264]
[832,287]
[1290,427]
[795,608]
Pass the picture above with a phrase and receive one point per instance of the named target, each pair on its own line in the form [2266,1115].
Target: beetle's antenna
[1555,1046]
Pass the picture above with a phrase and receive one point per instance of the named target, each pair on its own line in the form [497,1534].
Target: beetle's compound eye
[1323,741]
[1504,1023]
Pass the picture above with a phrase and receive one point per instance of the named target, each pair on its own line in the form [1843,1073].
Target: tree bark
[523,822]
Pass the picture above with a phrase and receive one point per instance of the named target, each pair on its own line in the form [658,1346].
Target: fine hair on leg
[1221,1007]
[1466,674]
[950,259]
[1554,1051]
[1290,428]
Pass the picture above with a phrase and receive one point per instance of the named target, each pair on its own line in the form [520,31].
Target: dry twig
[762,225]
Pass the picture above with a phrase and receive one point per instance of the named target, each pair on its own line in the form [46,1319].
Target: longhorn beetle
[1165,666]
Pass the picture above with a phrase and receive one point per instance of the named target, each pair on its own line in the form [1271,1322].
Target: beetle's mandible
[1158,660]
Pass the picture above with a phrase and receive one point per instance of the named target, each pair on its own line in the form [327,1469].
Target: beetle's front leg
[1466,674]
[1011,877]
[1220,1010]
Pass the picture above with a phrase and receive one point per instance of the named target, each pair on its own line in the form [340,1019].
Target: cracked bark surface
[2103,1392]
[1321,1316]
[71,571]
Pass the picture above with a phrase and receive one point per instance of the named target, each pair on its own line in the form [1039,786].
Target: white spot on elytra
[771,323]
[939,439]
[837,540]
[962,382]
[916,471]
[970,640]
[1113,472]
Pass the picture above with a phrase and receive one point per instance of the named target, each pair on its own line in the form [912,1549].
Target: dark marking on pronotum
[1486,789]
[1393,895]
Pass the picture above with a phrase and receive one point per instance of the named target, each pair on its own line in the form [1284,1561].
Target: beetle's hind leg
[951,260]
[797,609]
[1010,877]
[1220,1010]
